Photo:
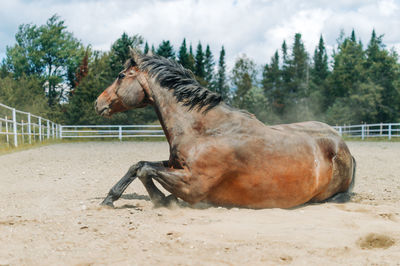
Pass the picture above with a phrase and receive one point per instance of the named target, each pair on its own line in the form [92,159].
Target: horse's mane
[174,76]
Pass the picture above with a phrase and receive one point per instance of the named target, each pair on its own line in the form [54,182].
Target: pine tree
[299,64]
[320,69]
[221,86]
[120,51]
[166,50]
[183,56]
[199,69]
[381,69]
[146,48]
[272,85]
[209,67]
[191,62]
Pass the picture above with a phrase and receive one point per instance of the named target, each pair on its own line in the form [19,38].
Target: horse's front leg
[181,183]
[155,194]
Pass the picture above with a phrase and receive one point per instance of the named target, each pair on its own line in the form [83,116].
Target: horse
[221,155]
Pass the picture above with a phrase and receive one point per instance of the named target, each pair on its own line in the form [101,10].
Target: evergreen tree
[347,68]
[146,48]
[272,85]
[299,65]
[382,69]
[120,51]
[183,56]
[199,69]
[320,69]
[209,67]
[221,86]
[191,62]
[166,50]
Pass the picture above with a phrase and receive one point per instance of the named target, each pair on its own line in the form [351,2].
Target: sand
[50,215]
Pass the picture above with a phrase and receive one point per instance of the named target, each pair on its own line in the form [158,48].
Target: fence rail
[18,127]
[111,131]
[363,131]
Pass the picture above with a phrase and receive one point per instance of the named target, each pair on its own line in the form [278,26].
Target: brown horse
[221,155]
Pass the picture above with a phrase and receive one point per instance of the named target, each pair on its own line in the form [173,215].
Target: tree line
[51,73]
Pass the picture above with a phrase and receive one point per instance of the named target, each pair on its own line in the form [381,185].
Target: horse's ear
[135,54]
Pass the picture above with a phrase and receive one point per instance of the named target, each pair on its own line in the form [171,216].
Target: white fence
[18,127]
[382,130]
[110,131]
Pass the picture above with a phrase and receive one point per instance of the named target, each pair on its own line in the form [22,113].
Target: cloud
[256,28]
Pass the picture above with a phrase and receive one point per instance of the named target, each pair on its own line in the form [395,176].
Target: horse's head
[126,92]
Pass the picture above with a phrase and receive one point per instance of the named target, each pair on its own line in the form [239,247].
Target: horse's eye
[121,76]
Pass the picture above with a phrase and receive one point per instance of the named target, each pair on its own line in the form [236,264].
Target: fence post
[22,132]
[29,128]
[52,129]
[380,130]
[8,139]
[362,131]
[120,133]
[340,130]
[60,127]
[390,131]
[48,129]
[40,129]
[15,127]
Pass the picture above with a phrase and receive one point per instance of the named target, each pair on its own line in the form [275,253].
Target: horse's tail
[346,196]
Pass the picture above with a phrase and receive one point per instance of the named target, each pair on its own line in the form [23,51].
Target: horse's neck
[175,118]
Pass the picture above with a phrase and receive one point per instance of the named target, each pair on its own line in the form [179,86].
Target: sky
[254,28]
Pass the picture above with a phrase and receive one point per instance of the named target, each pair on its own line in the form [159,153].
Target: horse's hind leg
[116,191]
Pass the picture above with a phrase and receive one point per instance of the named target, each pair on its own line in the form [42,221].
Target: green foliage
[120,51]
[221,85]
[199,67]
[165,49]
[209,67]
[183,56]
[48,52]
[243,78]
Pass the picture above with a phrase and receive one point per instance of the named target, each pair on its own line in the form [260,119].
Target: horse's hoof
[107,203]
[170,200]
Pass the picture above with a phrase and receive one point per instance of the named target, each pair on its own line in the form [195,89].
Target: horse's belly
[267,190]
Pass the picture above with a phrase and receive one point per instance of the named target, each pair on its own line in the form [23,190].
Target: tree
[166,50]
[221,86]
[320,68]
[243,78]
[199,68]
[382,69]
[120,51]
[319,86]
[146,48]
[209,65]
[48,52]
[272,85]
[183,56]
[347,68]
[191,63]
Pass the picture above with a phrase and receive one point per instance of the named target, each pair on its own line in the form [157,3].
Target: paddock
[50,215]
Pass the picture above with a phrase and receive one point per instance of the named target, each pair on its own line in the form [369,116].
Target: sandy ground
[49,215]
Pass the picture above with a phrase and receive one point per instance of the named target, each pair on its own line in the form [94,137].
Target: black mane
[173,76]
